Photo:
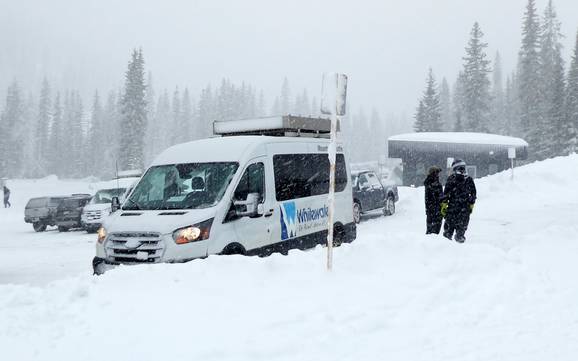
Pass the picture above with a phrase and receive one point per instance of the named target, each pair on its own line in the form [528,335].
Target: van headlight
[196,232]
[101,234]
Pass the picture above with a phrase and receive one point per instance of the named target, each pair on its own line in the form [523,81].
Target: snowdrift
[508,293]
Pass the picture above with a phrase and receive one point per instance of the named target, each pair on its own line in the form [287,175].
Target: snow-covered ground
[508,293]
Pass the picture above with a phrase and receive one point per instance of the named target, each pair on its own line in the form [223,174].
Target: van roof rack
[280,126]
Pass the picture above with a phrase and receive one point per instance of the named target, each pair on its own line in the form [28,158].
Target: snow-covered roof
[460,138]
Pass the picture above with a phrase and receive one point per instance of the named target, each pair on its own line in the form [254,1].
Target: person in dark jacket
[6,197]
[433,199]
[458,203]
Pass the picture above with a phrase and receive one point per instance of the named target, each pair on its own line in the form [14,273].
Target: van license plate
[141,255]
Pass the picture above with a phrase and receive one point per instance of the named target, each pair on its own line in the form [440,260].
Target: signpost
[334,93]
[512,156]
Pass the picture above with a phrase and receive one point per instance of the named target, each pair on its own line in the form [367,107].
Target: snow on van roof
[460,138]
[222,149]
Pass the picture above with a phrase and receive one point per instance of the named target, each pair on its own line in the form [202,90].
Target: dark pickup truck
[41,212]
[370,196]
[69,212]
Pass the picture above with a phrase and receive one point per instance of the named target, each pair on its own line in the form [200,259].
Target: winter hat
[458,163]
[434,170]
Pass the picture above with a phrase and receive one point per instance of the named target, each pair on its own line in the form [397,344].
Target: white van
[241,193]
[99,206]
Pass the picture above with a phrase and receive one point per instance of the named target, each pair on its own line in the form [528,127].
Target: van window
[252,181]
[37,203]
[182,186]
[306,175]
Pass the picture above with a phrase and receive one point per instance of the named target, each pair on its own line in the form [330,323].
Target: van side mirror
[248,207]
[114,205]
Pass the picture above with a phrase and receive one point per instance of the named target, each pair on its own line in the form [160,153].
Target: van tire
[62,229]
[39,226]
[233,248]
[338,234]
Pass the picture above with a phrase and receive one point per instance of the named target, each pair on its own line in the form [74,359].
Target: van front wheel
[233,248]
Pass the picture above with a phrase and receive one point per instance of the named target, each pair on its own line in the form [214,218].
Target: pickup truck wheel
[389,208]
[62,229]
[39,226]
[356,212]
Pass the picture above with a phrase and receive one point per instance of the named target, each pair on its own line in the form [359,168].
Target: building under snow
[485,154]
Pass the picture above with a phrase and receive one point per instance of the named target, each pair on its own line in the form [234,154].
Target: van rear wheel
[39,226]
[62,229]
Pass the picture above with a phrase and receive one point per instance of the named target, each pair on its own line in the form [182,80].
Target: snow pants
[433,223]
[457,223]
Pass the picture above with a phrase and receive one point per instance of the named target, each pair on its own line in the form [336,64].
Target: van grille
[93,215]
[134,247]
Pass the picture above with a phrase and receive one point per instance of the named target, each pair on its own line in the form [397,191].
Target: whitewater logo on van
[298,221]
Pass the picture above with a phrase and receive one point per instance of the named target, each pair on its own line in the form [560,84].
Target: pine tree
[96,138]
[174,128]
[419,124]
[12,119]
[43,121]
[285,98]
[477,84]
[459,102]
[529,76]
[186,121]
[498,109]
[553,118]
[133,110]
[571,106]
[56,143]
[428,116]
[205,112]
[445,106]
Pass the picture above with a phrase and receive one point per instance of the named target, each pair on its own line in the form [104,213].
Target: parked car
[370,196]
[41,212]
[69,211]
[99,207]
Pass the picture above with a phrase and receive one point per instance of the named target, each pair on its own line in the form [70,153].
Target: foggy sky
[384,46]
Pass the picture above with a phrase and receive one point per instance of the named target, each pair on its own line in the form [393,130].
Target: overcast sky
[384,46]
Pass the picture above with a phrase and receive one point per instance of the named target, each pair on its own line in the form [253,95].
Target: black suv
[370,196]
[41,212]
[70,210]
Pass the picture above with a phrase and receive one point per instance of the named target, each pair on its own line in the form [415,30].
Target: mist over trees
[539,101]
[57,132]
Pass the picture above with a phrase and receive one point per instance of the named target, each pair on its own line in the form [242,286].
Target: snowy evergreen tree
[477,97]
[43,121]
[428,116]
[459,105]
[445,106]
[285,98]
[498,109]
[205,112]
[176,117]
[56,143]
[528,77]
[11,120]
[186,122]
[97,138]
[551,132]
[134,112]
[570,129]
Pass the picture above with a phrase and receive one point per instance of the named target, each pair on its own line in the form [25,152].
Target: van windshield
[182,186]
[104,196]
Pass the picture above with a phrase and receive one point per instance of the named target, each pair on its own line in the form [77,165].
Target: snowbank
[508,293]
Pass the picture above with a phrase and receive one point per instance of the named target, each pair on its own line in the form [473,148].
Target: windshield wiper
[137,207]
